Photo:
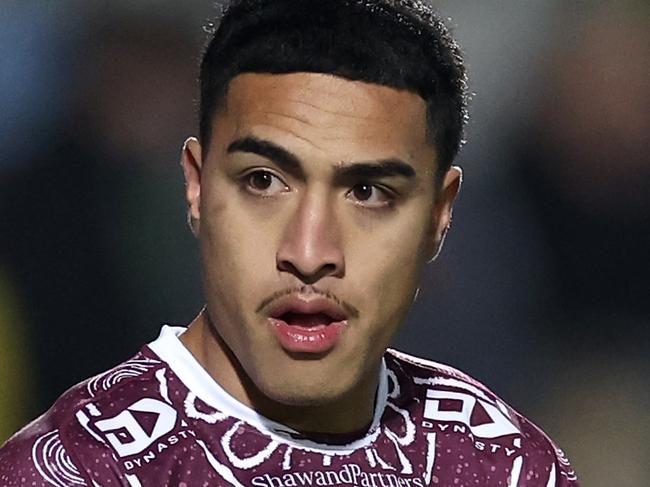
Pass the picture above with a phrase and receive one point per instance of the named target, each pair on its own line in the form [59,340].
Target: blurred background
[541,292]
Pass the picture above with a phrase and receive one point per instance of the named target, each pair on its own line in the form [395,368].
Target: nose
[310,248]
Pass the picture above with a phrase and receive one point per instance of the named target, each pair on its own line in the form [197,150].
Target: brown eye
[261,180]
[371,196]
[264,183]
[362,192]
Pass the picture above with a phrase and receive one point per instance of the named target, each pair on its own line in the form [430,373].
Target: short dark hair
[397,43]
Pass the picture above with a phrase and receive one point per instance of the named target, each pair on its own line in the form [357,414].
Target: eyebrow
[383,168]
[288,161]
[282,157]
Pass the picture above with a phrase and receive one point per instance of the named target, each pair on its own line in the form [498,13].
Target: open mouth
[307,326]
[297,311]
[307,320]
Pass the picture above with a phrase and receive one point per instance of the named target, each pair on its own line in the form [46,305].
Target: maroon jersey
[159,419]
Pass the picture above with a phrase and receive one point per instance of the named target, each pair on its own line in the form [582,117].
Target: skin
[264,228]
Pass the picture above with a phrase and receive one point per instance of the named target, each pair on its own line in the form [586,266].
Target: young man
[319,188]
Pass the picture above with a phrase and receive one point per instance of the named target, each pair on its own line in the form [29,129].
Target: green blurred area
[16,375]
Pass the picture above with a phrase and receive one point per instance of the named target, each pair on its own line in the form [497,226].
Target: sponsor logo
[157,448]
[350,474]
[128,436]
[469,411]
[450,406]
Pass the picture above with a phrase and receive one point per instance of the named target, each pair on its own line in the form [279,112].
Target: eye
[264,183]
[370,195]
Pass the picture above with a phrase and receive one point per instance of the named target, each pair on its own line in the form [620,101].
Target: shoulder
[59,448]
[457,407]
[428,375]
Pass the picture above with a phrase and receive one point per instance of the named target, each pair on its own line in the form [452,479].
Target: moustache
[350,310]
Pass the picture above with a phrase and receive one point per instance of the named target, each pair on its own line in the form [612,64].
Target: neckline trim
[191,373]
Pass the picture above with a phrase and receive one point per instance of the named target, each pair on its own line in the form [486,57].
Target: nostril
[287,266]
[309,275]
[329,268]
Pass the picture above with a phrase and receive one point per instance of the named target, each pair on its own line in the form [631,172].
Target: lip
[310,336]
[308,306]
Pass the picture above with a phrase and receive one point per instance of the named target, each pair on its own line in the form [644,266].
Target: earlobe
[191,163]
[443,208]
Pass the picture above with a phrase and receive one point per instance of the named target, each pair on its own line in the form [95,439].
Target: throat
[333,438]
[338,421]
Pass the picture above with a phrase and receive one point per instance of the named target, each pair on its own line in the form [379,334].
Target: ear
[442,210]
[192,164]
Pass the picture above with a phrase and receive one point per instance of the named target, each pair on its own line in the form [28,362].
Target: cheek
[386,264]
[235,256]
[400,267]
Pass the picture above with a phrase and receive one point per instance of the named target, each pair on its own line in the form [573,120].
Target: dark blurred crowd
[542,289]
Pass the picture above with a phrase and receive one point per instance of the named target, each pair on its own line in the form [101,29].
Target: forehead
[328,113]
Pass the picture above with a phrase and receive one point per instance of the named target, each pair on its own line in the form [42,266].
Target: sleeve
[565,475]
[38,458]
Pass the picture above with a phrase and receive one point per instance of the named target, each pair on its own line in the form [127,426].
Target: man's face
[316,210]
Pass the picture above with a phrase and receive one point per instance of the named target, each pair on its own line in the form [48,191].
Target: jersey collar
[172,351]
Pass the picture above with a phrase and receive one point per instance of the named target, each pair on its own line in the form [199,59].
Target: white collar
[172,351]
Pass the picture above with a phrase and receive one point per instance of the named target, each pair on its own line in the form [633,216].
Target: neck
[339,422]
